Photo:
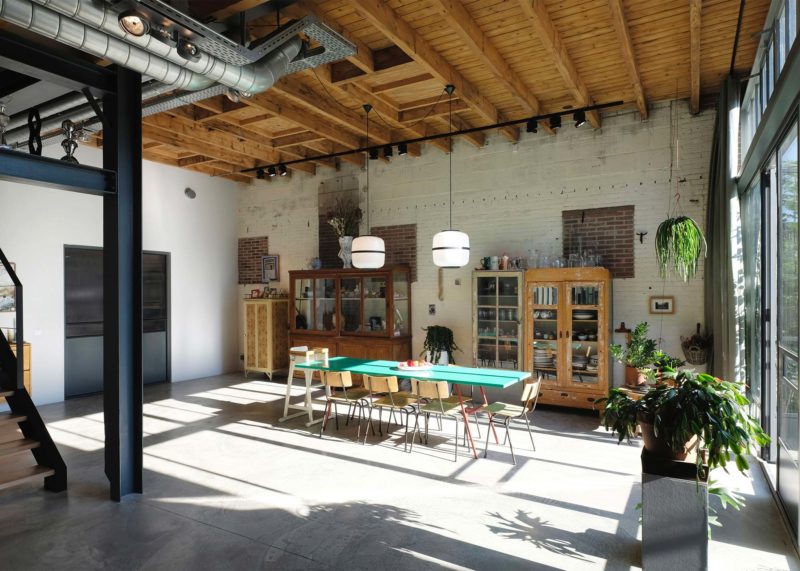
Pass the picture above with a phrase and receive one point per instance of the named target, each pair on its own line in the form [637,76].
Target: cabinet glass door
[584,333]
[544,332]
[351,305]
[486,321]
[401,303]
[497,321]
[324,304]
[374,320]
[303,304]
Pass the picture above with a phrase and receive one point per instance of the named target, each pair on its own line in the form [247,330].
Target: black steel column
[122,305]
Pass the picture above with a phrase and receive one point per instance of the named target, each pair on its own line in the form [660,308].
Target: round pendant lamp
[450,248]
[369,252]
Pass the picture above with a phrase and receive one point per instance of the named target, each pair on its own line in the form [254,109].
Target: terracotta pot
[659,446]
[634,378]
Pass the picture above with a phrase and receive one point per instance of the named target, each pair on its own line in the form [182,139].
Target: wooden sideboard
[26,365]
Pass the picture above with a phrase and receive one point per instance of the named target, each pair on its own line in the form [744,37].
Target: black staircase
[36,438]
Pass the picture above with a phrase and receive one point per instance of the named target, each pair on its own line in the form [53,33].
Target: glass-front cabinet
[352,312]
[567,328]
[497,319]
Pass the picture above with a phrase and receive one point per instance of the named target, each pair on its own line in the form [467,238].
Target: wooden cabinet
[266,335]
[567,332]
[497,317]
[26,366]
[352,312]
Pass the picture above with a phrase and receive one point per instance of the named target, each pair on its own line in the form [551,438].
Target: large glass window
[752,236]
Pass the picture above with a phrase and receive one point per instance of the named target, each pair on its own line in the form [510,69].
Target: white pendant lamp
[369,252]
[450,248]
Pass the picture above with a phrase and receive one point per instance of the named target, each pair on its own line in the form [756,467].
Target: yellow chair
[352,397]
[384,393]
[509,412]
[433,397]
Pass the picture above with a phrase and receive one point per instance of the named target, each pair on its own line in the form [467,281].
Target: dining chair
[508,412]
[433,400]
[384,393]
[354,398]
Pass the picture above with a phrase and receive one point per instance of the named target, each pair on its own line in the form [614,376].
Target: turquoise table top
[497,378]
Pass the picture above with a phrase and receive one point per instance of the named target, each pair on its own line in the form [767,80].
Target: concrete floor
[228,487]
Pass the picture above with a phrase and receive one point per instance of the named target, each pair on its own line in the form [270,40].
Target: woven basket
[694,355]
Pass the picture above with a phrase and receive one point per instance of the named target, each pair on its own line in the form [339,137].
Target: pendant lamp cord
[368,108]
[450,139]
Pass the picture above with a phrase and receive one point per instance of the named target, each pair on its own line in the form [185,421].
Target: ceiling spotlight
[532,126]
[134,22]
[272,172]
[260,174]
[373,154]
[402,149]
[387,152]
[282,170]
[555,122]
[580,117]
[188,50]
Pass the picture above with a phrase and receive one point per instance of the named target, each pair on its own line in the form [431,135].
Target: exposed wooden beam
[298,139]
[626,45]
[392,25]
[400,83]
[387,60]
[441,108]
[695,8]
[460,21]
[194,160]
[478,138]
[536,13]
[167,137]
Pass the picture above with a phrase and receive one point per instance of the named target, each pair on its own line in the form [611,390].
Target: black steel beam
[11,82]
[122,287]
[25,168]
[33,59]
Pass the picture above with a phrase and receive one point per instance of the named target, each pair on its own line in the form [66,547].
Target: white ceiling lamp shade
[369,252]
[450,248]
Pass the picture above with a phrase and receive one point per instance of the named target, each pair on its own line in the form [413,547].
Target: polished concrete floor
[229,487]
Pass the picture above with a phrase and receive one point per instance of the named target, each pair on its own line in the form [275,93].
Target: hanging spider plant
[679,245]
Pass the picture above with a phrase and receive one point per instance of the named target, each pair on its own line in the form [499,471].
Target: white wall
[509,199]
[200,234]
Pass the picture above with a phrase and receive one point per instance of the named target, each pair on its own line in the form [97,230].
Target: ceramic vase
[346,251]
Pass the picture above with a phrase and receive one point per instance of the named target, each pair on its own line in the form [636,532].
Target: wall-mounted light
[580,117]
[272,172]
[190,193]
[282,170]
[134,22]
[402,149]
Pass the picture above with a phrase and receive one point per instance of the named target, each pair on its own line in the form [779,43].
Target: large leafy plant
[679,245]
[640,352]
[438,339]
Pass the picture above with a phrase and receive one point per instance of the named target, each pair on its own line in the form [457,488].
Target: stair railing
[9,382]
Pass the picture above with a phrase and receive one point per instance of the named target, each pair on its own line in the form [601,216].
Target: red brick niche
[604,231]
[401,245]
[250,252]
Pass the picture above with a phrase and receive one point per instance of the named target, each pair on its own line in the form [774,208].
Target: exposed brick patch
[250,252]
[401,245]
[604,231]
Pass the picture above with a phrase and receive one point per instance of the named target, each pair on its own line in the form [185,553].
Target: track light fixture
[260,174]
[555,122]
[282,170]
[369,251]
[373,154]
[580,117]
[402,149]
[532,126]
[387,152]
[272,172]
[134,22]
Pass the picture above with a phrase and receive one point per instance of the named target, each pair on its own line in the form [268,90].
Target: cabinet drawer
[568,398]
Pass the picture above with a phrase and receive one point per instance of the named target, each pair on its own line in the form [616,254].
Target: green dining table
[469,376]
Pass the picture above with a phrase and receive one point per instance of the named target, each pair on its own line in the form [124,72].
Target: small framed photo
[8,291]
[255,293]
[664,304]
[269,269]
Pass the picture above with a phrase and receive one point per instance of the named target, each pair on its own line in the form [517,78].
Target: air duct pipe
[253,78]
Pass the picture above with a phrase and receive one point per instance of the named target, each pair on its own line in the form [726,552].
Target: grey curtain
[720,299]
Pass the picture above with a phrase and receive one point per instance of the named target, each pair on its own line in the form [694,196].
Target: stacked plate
[592,366]
[542,358]
[583,315]
[579,362]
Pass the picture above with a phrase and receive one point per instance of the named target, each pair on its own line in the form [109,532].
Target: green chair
[508,412]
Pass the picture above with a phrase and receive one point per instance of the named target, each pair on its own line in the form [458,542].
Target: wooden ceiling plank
[194,160]
[394,27]
[624,35]
[695,7]
[400,83]
[299,138]
[537,15]
[168,138]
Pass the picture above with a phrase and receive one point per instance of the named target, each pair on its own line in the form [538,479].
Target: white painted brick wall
[509,199]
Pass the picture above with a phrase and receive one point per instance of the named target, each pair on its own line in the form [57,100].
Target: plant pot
[346,251]
[443,358]
[659,446]
[633,377]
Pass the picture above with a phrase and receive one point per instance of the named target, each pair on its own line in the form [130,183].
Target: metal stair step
[23,475]
[10,419]
[4,394]
[8,449]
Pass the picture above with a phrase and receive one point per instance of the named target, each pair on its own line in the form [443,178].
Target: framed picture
[269,269]
[662,304]
[8,294]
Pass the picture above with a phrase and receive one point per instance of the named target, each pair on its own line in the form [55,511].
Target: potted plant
[344,218]
[679,245]
[664,362]
[637,356]
[696,347]
[439,344]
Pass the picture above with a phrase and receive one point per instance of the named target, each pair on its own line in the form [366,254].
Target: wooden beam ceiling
[626,45]
[412,43]
[536,13]
[695,7]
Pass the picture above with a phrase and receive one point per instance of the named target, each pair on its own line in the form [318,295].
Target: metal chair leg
[416,428]
[380,421]
[455,442]
[530,432]
[488,433]
[325,416]
[477,424]
[427,421]
[510,444]
[336,414]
